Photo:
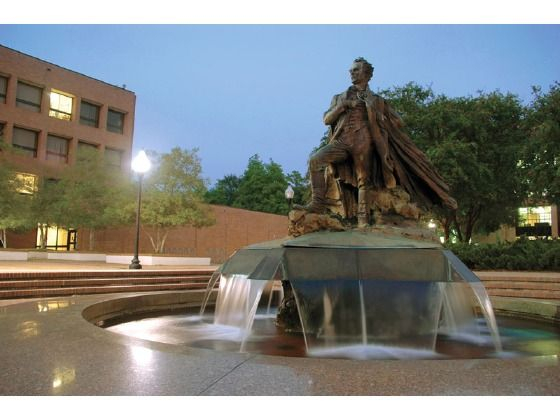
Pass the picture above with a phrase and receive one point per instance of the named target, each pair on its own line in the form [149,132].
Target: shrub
[522,255]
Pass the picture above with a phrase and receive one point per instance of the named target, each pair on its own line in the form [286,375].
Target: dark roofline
[64,68]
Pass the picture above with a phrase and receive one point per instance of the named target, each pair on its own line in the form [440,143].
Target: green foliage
[173,195]
[541,153]
[89,192]
[474,143]
[225,191]
[261,188]
[522,255]
[14,206]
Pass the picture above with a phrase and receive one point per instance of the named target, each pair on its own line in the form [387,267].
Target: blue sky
[233,91]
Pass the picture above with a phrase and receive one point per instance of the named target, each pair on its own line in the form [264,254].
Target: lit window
[61,106]
[113,157]
[26,183]
[3,88]
[89,114]
[56,237]
[25,141]
[29,97]
[534,222]
[57,148]
[532,216]
[115,121]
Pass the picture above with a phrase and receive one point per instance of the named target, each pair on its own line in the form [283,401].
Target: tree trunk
[3,238]
[163,242]
[43,237]
[472,218]
[91,239]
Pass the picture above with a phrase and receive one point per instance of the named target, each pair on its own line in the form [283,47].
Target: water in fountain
[362,302]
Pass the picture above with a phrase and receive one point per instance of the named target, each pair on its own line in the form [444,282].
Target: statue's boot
[363,209]
[318,203]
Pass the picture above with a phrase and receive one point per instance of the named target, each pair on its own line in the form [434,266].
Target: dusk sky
[233,91]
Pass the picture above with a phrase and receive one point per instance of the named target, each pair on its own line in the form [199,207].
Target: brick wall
[234,229]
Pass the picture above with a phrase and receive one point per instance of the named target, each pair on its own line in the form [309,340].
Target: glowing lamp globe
[141,164]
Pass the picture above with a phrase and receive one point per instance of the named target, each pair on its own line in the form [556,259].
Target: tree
[474,143]
[262,187]
[541,154]
[173,196]
[90,194]
[225,191]
[13,203]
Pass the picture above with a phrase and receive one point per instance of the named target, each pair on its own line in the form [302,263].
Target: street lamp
[289,193]
[140,164]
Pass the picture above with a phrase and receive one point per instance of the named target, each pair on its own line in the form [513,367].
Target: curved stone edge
[101,312]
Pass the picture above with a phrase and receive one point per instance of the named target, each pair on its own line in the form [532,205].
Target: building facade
[48,113]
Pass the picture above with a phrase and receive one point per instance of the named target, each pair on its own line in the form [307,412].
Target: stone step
[68,291]
[101,274]
[525,293]
[76,282]
[530,285]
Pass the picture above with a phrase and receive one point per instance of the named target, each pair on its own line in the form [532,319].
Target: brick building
[49,113]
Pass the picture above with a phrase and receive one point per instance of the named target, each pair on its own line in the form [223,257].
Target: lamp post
[289,193]
[140,164]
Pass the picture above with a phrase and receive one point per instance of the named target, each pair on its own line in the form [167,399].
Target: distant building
[49,113]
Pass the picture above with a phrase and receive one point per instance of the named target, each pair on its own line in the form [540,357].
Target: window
[87,150]
[56,237]
[57,148]
[115,121]
[2,125]
[61,106]
[113,157]
[29,97]
[25,141]
[26,183]
[534,221]
[89,114]
[3,88]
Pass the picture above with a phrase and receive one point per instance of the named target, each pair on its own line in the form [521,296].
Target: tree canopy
[541,152]
[261,188]
[173,195]
[474,142]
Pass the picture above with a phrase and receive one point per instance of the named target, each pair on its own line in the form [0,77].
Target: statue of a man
[368,150]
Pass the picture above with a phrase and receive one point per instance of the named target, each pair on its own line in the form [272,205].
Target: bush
[522,255]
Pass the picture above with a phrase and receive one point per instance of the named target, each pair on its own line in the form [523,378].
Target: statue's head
[362,65]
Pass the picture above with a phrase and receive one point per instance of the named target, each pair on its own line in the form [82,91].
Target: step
[101,274]
[70,282]
[524,293]
[521,285]
[66,291]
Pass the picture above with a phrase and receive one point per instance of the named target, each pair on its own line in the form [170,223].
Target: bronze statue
[368,153]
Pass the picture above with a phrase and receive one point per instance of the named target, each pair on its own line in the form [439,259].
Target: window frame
[24,148]
[58,156]
[94,123]
[4,94]
[58,113]
[110,164]
[113,128]
[24,103]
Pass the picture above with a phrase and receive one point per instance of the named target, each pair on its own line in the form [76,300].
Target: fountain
[359,294]
[361,277]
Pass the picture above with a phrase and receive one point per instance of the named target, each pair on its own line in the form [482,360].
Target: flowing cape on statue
[411,168]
